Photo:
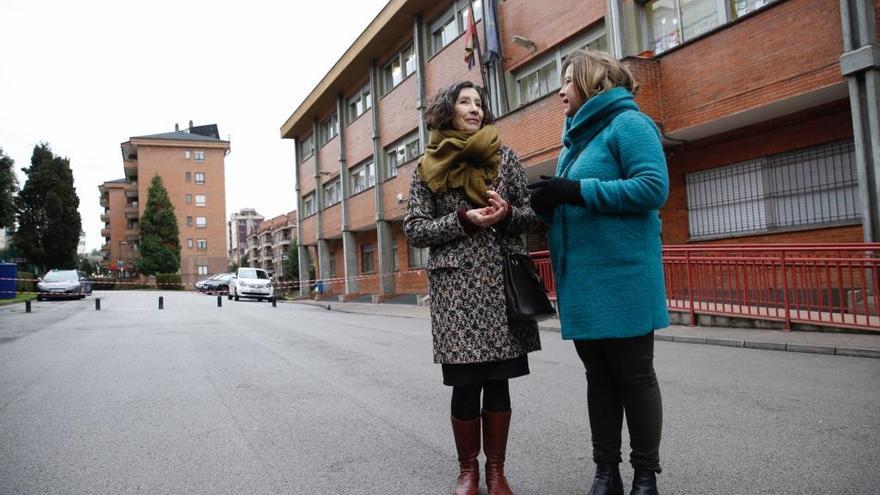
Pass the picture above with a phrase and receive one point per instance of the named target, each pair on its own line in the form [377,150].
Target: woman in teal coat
[602,208]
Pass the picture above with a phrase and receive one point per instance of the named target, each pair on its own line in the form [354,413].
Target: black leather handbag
[524,292]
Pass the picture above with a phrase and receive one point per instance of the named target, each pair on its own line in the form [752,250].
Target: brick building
[241,225]
[269,244]
[757,101]
[192,166]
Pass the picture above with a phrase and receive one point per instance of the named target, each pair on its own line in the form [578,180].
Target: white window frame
[189,243]
[306,148]
[362,101]
[418,257]
[332,192]
[329,128]
[401,58]
[189,199]
[362,177]
[403,151]
[199,156]
[202,269]
[309,205]
[726,11]
[554,57]
[187,154]
[201,222]
[455,14]
[199,177]
[200,199]
[201,244]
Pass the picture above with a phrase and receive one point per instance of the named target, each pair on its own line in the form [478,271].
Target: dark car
[63,284]
[218,283]
[202,285]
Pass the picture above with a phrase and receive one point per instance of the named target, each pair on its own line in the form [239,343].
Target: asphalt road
[297,399]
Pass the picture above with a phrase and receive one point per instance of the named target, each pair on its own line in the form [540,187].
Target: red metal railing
[541,259]
[833,285]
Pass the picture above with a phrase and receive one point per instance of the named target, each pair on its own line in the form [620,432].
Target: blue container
[8,277]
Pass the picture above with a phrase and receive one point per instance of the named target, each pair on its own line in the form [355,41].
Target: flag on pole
[491,37]
[471,42]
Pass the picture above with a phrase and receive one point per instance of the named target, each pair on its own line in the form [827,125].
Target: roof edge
[382,18]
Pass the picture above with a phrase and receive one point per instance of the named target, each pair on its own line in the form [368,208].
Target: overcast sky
[85,76]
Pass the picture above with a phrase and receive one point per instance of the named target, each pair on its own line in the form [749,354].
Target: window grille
[805,188]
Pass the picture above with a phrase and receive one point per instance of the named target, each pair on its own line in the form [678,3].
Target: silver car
[63,283]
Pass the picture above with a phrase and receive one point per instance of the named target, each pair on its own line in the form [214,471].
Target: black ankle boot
[607,480]
[644,483]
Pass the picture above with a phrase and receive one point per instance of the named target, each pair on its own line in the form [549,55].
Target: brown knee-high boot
[495,428]
[467,443]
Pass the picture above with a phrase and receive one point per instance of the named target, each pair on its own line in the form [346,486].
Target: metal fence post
[161,302]
[785,298]
[219,301]
[27,306]
[690,288]
[97,304]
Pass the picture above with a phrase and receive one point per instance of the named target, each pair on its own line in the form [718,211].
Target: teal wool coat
[607,255]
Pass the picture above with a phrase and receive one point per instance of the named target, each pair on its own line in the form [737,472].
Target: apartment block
[241,225]
[269,245]
[761,103]
[191,163]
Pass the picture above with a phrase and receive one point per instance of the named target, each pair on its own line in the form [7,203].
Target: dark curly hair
[441,107]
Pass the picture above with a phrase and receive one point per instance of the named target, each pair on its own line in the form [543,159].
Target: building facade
[269,245]
[240,226]
[191,163]
[768,139]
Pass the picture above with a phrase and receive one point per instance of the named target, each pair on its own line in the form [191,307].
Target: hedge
[168,281]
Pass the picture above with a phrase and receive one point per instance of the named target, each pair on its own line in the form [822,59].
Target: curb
[865,352]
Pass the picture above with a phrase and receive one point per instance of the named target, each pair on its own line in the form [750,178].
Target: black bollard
[161,302]
[27,306]
[219,301]
[273,302]
[97,304]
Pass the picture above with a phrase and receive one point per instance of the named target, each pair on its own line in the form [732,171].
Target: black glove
[550,192]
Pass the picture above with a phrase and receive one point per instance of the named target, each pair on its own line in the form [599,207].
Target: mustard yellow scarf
[462,159]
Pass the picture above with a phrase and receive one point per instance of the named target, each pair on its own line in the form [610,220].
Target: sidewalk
[841,344]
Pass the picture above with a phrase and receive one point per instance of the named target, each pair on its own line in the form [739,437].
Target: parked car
[253,283]
[63,283]
[204,284]
[219,283]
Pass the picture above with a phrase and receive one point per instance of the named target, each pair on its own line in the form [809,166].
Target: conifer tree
[8,188]
[47,210]
[159,242]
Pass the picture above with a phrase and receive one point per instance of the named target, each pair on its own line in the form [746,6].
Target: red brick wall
[328,156]
[309,228]
[534,130]
[331,221]
[306,176]
[393,209]
[369,284]
[448,66]
[646,72]
[408,280]
[362,210]
[824,124]
[397,111]
[546,22]
[358,139]
[790,49]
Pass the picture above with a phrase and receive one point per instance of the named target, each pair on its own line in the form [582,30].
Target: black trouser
[466,398]
[620,377]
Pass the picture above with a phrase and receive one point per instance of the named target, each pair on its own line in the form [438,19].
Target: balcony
[131,169]
[131,190]
[105,217]
[131,210]
[105,232]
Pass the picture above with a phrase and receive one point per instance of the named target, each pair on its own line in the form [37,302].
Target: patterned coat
[468,314]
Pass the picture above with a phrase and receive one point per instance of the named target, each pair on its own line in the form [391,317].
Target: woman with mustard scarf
[468,196]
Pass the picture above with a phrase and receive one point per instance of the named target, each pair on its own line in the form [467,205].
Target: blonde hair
[594,73]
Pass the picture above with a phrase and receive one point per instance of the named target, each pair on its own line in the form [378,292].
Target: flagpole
[479,54]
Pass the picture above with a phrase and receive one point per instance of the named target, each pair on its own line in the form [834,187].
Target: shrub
[25,282]
[168,281]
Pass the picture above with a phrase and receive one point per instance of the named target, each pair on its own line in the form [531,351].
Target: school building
[768,111]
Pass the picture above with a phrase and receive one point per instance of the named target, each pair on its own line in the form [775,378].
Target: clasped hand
[491,214]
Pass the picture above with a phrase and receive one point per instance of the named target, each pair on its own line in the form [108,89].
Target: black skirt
[472,373]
